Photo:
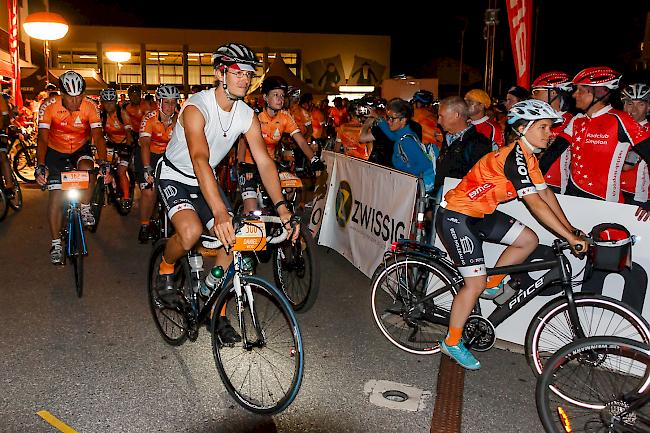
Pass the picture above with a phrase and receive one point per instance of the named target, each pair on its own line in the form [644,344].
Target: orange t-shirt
[317,123]
[160,134]
[338,116]
[431,132]
[301,116]
[272,130]
[136,113]
[116,130]
[69,131]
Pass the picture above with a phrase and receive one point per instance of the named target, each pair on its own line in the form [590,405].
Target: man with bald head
[463,145]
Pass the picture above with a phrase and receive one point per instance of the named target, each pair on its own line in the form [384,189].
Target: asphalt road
[99,365]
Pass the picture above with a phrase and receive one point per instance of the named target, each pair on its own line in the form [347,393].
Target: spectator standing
[635,179]
[478,102]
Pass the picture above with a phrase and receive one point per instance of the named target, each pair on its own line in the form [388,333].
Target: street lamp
[46,26]
[118,57]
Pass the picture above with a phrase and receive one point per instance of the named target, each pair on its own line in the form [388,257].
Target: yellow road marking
[55,422]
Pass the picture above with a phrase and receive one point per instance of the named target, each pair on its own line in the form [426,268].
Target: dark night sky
[571,34]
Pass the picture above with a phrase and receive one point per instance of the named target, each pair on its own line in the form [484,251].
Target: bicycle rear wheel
[263,373]
[24,164]
[296,271]
[604,382]
[413,327]
[170,320]
[599,316]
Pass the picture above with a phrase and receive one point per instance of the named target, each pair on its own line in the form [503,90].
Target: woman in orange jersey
[468,215]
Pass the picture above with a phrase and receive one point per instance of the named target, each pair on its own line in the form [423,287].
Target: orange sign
[74,180]
[288,180]
[251,237]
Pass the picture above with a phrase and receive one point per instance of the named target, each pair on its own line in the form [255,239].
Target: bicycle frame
[74,228]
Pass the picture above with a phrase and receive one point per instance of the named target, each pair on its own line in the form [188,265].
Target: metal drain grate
[448,409]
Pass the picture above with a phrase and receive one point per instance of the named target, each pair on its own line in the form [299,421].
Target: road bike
[413,290]
[22,153]
[263,372]
[597,384]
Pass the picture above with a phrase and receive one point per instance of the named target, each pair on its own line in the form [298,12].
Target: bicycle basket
[612,247]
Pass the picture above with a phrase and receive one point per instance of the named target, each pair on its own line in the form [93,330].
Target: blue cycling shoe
[461,355]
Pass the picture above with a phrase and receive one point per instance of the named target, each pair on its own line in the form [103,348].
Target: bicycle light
[73,194]
[564,419]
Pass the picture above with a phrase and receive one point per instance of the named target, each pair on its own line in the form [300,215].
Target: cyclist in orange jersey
[478,101]
[65,127]
[468,215]
[274,121]
[136,108]
[428,120]
[155,132]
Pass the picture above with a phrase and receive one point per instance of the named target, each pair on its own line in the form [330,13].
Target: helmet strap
[595,99]
[522,136]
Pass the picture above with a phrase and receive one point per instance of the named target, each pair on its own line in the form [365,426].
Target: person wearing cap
[478,101]
[515,94]
[599,139]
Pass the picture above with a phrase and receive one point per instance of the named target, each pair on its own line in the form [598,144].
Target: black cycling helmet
[423,97]
[134,88]
[306,97]
[272,83]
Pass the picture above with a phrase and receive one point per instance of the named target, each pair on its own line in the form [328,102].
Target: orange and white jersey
[136,113]
[69,131]
[272,130]
[317,123]
[114,129]
[301,116]
[152,126]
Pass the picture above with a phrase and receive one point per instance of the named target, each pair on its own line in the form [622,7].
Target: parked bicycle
[10,197]
[597,384]
[22,153]
[264,371]
[413,290]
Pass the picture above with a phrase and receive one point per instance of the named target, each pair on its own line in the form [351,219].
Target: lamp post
[46,26]
[118,57]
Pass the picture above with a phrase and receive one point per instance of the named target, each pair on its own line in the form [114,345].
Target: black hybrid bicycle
[413,290]
[597,384]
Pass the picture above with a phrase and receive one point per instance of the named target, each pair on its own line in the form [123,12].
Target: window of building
[199,69]
[290,57]
[123,74]
[77,59]
[164,67]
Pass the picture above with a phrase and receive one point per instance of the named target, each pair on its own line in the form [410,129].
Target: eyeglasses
[394,118]
[242,74]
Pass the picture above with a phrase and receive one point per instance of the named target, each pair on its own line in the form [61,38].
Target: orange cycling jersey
[496,178]
[136,113]
[69,131]
[272,130]
[431,132]
[160,134]
[301,116]
[317,123]
[114,128]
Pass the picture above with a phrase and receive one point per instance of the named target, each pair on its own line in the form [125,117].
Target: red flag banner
[520,18]
[12,6]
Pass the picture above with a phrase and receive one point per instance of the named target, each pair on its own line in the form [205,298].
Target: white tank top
[217,124]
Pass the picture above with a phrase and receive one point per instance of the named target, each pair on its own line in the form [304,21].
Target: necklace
[232,117]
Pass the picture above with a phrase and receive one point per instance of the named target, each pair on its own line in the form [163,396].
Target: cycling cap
[479,95]
[271,83]
[638,91]
[72,83]
[532,110]
[598,76]
[167,91]
[556,80]
[519,92]
[108,95]
[423,96]
[134,88]
[236,56]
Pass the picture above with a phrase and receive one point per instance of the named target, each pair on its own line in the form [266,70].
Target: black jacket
[457,158]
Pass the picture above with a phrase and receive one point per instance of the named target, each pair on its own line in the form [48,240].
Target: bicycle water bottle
[196,267]
[212,280]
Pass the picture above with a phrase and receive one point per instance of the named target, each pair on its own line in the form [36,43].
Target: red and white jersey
[491,130]
[599,145]
[558,174]
[637,180]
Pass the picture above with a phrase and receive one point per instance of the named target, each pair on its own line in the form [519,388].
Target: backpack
[429,151]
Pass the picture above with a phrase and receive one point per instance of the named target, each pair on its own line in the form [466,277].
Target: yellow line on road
[55,422]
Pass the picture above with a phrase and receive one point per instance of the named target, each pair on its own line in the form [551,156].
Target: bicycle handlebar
[213,242]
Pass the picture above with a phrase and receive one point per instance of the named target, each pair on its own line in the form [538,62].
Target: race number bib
[74,180]
[251,237]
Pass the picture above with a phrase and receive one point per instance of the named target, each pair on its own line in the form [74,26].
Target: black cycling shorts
[56,162]
[139,167]
[123,151]
[463,237]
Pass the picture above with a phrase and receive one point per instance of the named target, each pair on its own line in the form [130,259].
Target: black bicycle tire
[76,256]
[558,305]
[17,158]
[97,202]
[544,386]
[16,203]
[287,312]
[308,301]
[4,205]
[157,250]
[380,274]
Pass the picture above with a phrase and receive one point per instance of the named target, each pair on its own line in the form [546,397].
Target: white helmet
[638,91]
[71,83]
[167,91]
[532,110]
[108,95]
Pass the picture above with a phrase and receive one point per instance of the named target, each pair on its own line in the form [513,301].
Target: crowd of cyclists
[562,137]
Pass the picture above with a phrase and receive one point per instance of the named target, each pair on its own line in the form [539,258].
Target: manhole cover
[395,395]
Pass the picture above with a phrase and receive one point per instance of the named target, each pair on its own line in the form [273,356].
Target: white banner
[630,285]
[320,193]
[368,207]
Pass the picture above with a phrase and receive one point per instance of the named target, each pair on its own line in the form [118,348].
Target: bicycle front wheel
[413,326]
[263,373]
[76,253]
[599,316]
[297,272]
[16,202]
[97,202]
[24,164]
[598,384]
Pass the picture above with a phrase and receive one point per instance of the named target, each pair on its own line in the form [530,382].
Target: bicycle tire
[16,202]
[613,372]
[391,309]
[550,329]
[171,321]
[296,271]
[76,255]
[97,202]
[24,164]
[282,343]
[4,205]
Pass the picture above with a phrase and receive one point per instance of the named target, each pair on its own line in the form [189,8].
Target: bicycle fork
[240,289]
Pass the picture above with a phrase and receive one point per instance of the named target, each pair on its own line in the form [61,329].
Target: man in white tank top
[209,124]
